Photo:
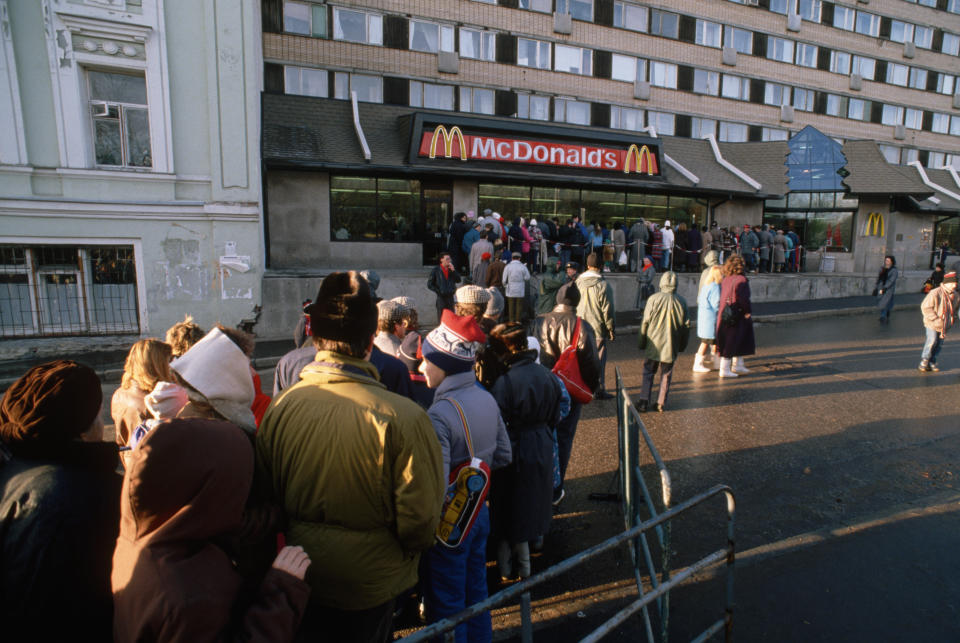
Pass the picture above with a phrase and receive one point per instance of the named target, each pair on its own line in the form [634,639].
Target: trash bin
[827,263]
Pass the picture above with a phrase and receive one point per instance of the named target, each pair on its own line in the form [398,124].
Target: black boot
[642,405]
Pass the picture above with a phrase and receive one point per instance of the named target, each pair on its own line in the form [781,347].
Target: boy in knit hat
[468,424]
[939,310]
[390,327]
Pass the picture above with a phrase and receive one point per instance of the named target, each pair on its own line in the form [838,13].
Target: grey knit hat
[471,295]
[390,310]
[495,305]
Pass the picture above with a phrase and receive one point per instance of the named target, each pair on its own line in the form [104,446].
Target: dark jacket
[393,374]
[287,371]
[554,332]
[495,274]
[444,286]
[59,516]
[458,230]
[736,340]
[521,494]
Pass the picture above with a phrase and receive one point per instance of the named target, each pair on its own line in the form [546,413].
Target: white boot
[698,365]
[712,361]
[738,366]
[725,368]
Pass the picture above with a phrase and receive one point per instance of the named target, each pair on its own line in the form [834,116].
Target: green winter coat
[550,283]
[358,472]
[596,303]
[666,324]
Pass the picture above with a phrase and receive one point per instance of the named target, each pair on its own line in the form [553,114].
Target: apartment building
[737,103]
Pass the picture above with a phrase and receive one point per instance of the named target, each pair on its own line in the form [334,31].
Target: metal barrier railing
[632,488]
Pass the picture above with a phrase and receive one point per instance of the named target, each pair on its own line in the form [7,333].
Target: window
[629,16]
[732,132]
[856,109]
[864,66]
[780,6]
[369,88]
[739,39]
[430,37]
[305,81]
[803,99]
[836,105]
[305,18]
[709,33]
[121,124]
[945,83]
[955,125]
[913,118]
[925,3]
[430,95]
[574,60]
[357,26]
[809,10]
[663,74]
[897,74]
[840,62]
[664,24]
[775,94]
[579,9]
[918,78]
[951,44]
[372,209]
[706,82]
[566,110]
[702,127]
[867,24]
[665,123]
[806,55]
[481,45]
[941,123]
[892,115]
[533,107]
[544,6]
[476,100]
[774,134]
[909,155]
[936,160]
[890,153]
[923,37]
[628,68]
[780,49]
[901,31]
[735,87]
[533,53]
[626,118]
[953,6]
[844,17]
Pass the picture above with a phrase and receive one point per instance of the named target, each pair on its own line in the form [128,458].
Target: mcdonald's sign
[448,138]
[874,226]
[644,162]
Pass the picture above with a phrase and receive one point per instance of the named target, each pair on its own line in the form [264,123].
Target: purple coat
[737,340]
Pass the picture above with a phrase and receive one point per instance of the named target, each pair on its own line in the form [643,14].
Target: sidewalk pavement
[107,354]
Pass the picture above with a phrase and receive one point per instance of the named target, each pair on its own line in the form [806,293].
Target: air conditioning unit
[900,132]
[856,82]
[752,3]
[786,113]
[794,21]
[730,56]
[909,50]
[641,90]
[448,62]
[562,23]
[956,100]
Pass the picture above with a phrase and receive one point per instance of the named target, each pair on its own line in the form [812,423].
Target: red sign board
[453,143]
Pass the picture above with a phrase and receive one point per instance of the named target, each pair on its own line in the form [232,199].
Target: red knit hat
[452,346]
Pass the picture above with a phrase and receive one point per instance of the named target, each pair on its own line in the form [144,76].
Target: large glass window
[533,53]
[918,78]
[867,24]
[836,105]
[822,220]
[305,18]
[913,118]
[663,74]
[844,17]
[897,74]
[533,107]
[305,81]
[901,31]
[951,44]
[732,132]
[579,9]
[481,45]
[357,26]
[708,33]
[627,118]
[369,88]
[923,37]
[430,36]
[706,82]
[121,122]
[702,127]
[628,68]
[940,123]
[809,10]
[574,60]
[803,99]
[773,134]
[430,95]
[665,123]
[840,62]
[664,24]
[544,6]
[739,39]
[374,209]
[776,94]
[806,55]
[892,115]
[780,49]
[857,109]
[476,100]
[864,66]
[736,87]
[566,110]
[945,83]
[630,16]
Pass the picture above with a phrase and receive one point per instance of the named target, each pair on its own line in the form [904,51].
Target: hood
[589,278]
[668,281]
[188,480]
[711,258]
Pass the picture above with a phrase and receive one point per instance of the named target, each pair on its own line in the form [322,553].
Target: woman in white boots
[734,323]
[708,305]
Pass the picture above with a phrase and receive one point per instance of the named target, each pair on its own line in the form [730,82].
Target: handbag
[623,260]
[731,315]
[466,493]
[567,369]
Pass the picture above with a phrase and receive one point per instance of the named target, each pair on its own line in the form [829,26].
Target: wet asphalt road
[844,460]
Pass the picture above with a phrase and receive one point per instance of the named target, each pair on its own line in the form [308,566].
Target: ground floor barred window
[67,290]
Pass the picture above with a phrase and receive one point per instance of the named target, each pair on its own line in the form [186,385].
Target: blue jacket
[708,303]
[469,239]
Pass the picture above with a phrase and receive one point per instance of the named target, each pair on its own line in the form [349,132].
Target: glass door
[437,213]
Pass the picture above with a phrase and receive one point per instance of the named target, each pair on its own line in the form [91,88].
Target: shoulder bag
[567,369]
[731,315]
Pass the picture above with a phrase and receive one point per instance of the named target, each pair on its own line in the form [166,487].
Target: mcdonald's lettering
[874,226]
[452,143]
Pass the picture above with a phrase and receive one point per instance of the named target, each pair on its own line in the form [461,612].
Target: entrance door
[437,213]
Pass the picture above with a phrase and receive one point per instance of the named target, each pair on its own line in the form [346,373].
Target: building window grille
[121,122]
[67,290]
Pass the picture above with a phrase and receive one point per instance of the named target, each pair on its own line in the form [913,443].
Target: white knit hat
[220,371]
[166,400]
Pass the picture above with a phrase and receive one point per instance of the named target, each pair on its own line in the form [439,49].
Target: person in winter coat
[59,506]
[357,470]
[554,331]
[411,356]
[694,248]
[639,235]
[495,271]
[663,335]
[708,303]
[766,247]
[597,309]
[667,241]
[734,341]
[148,362]
[885,287]
[471,237]
[477,250]
[515,278]
[458,230]
[710,259]
[655,241]
[537,246]
[619,237]
[443,282]
[172,579]
[779,251]
[749,245]
[550,282]
[939,309]
[646,279]
[529,399]
[680,245]
[468,424]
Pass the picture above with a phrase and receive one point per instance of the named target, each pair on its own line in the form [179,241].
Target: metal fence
[636,497]
[67,290]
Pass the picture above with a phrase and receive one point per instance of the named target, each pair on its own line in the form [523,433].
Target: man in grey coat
[638,237]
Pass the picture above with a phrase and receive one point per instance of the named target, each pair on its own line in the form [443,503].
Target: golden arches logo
[643,160]
[448,138]
[874,225]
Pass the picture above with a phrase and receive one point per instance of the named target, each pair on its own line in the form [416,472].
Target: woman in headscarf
[59,509]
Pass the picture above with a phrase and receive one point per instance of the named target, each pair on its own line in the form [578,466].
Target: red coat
[736,340]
